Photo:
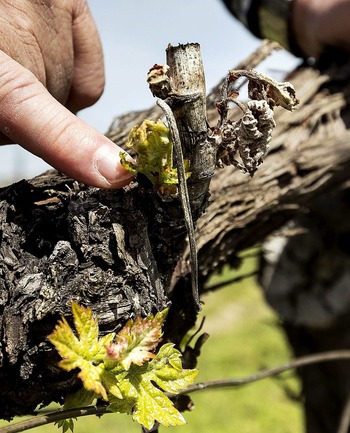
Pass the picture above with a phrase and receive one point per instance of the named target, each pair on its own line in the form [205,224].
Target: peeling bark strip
[181,83]
[185,200]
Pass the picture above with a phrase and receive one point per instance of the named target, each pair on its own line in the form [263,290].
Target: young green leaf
[167,371]
[153,405]
[143,389]
[85,351]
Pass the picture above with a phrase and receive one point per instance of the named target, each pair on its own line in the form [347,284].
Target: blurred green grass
[244,338]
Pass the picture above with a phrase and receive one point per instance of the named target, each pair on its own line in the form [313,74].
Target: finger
[30,116]
[88,78]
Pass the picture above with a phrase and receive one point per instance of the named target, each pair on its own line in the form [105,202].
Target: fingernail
[107,162]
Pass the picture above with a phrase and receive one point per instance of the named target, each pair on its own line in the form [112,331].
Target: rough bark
[116,251]
[59,242]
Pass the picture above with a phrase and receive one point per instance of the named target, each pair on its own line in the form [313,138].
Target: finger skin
[38,35]
[88,77]
[29,115]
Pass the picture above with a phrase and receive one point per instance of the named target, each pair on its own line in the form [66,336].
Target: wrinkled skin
[51,66]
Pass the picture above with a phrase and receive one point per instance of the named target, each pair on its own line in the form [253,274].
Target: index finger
[31,117]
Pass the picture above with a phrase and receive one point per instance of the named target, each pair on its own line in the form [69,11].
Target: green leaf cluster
[123,369]
[152,143]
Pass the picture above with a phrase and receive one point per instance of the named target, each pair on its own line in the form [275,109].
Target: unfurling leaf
[136,340]
[152,143]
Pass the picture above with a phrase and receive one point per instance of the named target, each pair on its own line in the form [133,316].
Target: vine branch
[336,355]
[43,419]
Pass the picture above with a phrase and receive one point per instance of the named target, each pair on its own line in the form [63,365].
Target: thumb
[33,118]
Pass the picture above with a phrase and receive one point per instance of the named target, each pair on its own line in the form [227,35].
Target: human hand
[321,24]
[51,66]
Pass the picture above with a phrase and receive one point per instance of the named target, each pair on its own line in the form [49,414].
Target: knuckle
[17,85]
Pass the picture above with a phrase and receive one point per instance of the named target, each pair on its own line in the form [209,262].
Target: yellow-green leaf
[66,424]
[84,350]
[143,389]
[153,405]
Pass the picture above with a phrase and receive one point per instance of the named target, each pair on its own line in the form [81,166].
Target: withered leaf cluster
[243,143]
